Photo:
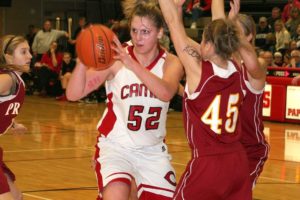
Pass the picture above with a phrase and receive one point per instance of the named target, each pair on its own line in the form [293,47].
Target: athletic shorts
[150,167]
[4,187]
[216,177]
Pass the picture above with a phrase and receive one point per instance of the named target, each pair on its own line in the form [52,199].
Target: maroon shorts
[4,170]
[221,176]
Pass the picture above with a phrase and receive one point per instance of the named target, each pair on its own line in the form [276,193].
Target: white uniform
[132,131]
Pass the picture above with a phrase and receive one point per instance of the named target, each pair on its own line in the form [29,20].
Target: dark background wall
[16,15]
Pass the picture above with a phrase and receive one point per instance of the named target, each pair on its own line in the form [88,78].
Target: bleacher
[255,8]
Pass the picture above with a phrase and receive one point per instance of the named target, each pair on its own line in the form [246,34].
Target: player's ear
[8,58]
[160,33]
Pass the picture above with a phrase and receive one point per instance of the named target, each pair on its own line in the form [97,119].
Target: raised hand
[234,9]
[122,55]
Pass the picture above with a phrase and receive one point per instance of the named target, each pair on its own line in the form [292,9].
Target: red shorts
[214,177]
[4,170]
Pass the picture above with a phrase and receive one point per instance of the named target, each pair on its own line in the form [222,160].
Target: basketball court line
[51,149]
[277,180]
[35,196]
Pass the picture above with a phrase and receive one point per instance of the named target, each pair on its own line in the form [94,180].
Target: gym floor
[52,161]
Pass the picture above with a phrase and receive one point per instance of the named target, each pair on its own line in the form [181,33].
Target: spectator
[68,64]
[287,9]
[44,38]
[275,15]
[270,42]
[32,30]
[297,36]
[286,60]
[282,37]
[48,68]
[295,59]
[262,31]
[293,22]
[268,57]
[198,8]
[81,24]
[292,46]
[278,60]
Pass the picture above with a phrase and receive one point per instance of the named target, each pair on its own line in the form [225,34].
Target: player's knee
[116,191]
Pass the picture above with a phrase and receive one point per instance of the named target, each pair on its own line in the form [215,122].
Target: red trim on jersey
[110,118]
[123,180]
[146,195]
[121,173]
[98,168]
[149,67]
[153,187]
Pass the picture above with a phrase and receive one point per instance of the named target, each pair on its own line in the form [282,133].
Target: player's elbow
[166,96]
[71,96]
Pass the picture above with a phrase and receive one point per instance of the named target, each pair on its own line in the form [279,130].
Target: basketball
[93,46]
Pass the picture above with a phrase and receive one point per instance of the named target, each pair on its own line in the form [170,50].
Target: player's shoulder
[171,58]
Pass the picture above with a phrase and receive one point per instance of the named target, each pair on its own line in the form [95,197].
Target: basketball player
[213,96]
[139,86]
[253,137]
[15,59]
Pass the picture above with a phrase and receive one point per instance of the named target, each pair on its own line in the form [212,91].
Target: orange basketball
[93,46]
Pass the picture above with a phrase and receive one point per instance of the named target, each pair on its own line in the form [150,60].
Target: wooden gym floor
[53,160]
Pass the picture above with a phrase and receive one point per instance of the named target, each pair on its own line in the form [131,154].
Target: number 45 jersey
[134,117]
[211,113]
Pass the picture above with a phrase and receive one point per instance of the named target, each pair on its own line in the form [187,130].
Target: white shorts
[150,167]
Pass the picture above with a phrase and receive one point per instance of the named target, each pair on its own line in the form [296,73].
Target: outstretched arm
[255,67]
[185,48]
[83,81]
[217,9]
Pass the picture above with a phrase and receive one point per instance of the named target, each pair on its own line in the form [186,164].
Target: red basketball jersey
[11,104]
[253,138]
[219,167]
[211,112]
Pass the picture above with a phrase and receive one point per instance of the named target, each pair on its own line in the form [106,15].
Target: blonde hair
[8,44]
[129,5]
[146,8]
[224,35]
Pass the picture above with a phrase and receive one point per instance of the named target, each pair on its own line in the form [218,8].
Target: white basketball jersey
[134,117]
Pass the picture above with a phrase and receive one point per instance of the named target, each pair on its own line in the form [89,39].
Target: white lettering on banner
[292,102]
[267,100]
[292,145]
[13,109]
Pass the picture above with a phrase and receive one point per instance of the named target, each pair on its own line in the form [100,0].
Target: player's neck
[147,58]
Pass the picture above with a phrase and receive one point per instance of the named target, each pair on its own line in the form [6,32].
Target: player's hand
[234,9]
[179,3]
[122,55]
[18,128]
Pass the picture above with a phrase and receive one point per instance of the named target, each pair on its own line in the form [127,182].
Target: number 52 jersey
[134,117]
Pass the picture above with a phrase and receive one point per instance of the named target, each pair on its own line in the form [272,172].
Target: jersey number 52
[136,116]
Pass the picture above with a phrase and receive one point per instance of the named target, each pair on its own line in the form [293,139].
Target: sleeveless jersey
[134,117]
[11,104]
[211,113]
[253,138]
